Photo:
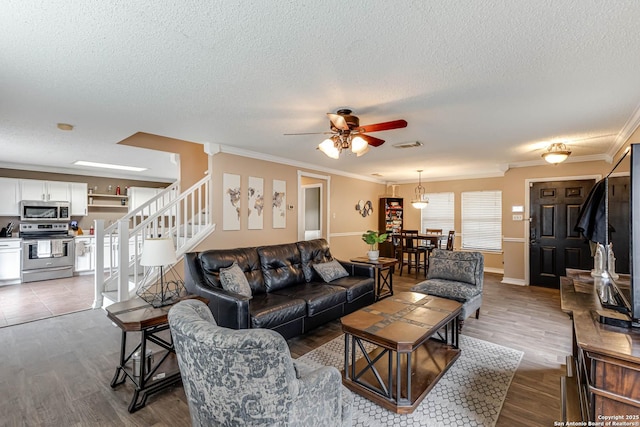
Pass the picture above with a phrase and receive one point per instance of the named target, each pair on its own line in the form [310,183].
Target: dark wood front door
[553,243]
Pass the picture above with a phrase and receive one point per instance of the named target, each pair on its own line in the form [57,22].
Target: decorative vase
[373,255]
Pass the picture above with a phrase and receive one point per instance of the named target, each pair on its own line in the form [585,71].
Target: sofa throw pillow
[330,271]
[233,280]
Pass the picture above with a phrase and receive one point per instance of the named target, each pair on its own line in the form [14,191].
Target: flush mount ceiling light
[65,126]
[556,153]
[109,166]
[420,201]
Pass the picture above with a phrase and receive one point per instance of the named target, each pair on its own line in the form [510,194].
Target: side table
[384,274]
[136,315]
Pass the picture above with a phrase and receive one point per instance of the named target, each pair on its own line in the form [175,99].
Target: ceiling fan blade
[309,133]
[372,140]
[338,121]
[377,127]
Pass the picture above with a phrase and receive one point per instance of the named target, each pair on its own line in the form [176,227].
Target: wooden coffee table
[416,339]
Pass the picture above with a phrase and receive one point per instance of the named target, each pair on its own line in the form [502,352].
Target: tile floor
[48,298]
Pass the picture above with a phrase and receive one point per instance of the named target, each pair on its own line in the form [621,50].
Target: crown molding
[572,159]
[625,133]
[275,159]
[490,174]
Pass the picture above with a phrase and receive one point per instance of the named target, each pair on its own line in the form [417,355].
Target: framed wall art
[255,195]
[279,204]
[230,202]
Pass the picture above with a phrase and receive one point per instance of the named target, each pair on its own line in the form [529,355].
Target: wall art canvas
[230,202]
[256,203]
[279,204]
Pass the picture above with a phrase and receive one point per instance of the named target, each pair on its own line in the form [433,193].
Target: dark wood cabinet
[604,370]
[390,221]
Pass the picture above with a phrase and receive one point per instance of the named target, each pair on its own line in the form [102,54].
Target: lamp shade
[358,145]
[328,147]
[158,252]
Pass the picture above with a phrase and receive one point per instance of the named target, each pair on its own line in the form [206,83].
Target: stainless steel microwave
[37,210]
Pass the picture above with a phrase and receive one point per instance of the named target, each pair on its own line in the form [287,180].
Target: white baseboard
[493,270]
[513,281]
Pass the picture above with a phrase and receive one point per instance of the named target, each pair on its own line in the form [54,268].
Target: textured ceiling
[484,85]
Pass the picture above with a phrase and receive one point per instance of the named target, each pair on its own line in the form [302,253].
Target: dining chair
[416,253]
[434,232]
[450,238]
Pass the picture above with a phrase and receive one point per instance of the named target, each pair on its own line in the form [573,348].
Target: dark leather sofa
[288,295]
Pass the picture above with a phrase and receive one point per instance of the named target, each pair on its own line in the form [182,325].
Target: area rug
[471,393]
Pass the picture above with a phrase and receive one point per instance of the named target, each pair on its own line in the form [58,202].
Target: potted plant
[372,238]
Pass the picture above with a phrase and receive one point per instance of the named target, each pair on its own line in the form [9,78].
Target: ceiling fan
[346,133]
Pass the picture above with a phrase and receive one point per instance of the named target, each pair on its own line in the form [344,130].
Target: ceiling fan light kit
[556,153]
[420,200]
[328,147]
[349,135]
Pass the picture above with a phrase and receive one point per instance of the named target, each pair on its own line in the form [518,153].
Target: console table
[604,371]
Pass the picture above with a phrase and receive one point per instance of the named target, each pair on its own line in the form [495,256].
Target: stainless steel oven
[37,210]
[47,251]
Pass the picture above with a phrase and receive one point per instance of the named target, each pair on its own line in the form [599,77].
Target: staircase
[185,218]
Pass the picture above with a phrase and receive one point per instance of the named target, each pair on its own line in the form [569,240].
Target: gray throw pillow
[233,280]
[459,270]
[330,271]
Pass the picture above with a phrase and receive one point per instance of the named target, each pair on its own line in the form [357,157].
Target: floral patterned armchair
[455,275]
[248,378]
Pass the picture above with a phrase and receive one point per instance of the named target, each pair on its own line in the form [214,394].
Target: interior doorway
[313,216]
[313,206]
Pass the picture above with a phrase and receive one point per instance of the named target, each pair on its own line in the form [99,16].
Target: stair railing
[185,218]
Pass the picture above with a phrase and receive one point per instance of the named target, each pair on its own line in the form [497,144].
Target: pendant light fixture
[420,200]
[556,153]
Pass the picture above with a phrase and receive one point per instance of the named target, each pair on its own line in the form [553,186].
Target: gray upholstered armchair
[458,276]
[248,378]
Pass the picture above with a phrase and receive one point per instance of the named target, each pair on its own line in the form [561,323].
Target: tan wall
[514,193]
[345,224]
[193,161]
[412,216]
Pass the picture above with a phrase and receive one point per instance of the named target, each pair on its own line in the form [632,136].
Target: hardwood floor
[57,371]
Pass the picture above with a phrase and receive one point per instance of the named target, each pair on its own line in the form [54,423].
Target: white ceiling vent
[410,144]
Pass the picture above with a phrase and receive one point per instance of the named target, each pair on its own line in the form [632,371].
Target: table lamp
[156,288]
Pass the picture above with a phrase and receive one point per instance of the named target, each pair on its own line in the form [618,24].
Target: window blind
[482,220]
[439,212]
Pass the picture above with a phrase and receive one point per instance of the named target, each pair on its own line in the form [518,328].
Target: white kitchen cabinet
[138,196]
[10,196]
[33,189]
[85,254]
[10,260]
[78,199]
